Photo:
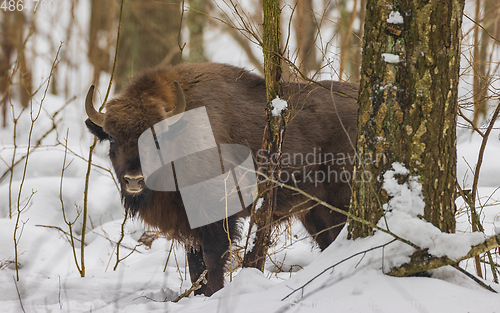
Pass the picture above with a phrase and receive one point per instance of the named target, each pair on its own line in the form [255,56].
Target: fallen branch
[196,285]
[422,261]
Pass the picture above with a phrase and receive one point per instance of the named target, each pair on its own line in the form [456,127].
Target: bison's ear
[96,130]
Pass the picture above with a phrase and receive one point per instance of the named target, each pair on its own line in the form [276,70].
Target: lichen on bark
[407,109]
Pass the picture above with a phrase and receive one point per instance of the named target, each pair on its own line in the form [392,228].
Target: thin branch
[70,224]
[474,278]
[122,235]
[66,234]
[480,26]
[470,122]
[481,152]
[349,215]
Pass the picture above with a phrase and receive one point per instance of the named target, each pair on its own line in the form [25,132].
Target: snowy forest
[402,96]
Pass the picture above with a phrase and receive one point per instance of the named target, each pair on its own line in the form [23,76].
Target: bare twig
[480,26]
[122,235]
[168,257]
[334,265]
[462,115]
[34,117]
[481,151]
[92,147]
[70,224]
[66,234]
[349,215]
[471,199]
[13,163]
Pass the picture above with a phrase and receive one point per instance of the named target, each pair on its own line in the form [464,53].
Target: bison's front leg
[196,267]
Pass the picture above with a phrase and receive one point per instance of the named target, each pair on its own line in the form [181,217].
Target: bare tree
[151,32]
[482,72]
[102,36]
[305,31]
[272,142]
[196,20]
[12,40]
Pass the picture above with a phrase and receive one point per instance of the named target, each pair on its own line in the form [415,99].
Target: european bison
[317,150]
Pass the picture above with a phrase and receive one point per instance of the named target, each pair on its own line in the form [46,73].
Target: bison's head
[126,118]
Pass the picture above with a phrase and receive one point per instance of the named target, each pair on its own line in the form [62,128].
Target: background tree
[305,33]
[487,25]
[351,13]
[408,106]
[150,36]
[102,36]
[13,36]
[243,32]
[196,20]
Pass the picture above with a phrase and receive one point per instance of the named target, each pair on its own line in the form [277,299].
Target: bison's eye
[112,140]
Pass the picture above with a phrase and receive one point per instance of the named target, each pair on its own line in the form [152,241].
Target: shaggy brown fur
[235,100]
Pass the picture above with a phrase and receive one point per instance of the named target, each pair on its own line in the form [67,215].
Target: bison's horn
[95,116]
[180,107]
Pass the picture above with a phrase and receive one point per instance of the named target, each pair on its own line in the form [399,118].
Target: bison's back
[235,101]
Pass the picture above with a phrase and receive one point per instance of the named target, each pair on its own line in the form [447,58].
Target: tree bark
[408,106]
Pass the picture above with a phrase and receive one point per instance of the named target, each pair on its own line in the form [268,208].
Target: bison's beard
[134,203]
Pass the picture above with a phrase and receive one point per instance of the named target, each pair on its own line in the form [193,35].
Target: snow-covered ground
[346,277]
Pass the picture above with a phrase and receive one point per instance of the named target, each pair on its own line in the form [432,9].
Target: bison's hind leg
[323,225]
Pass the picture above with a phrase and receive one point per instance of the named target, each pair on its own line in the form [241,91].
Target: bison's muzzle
[134,183]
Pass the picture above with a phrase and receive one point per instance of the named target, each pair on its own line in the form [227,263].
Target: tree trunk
[272,142]
[408,106]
